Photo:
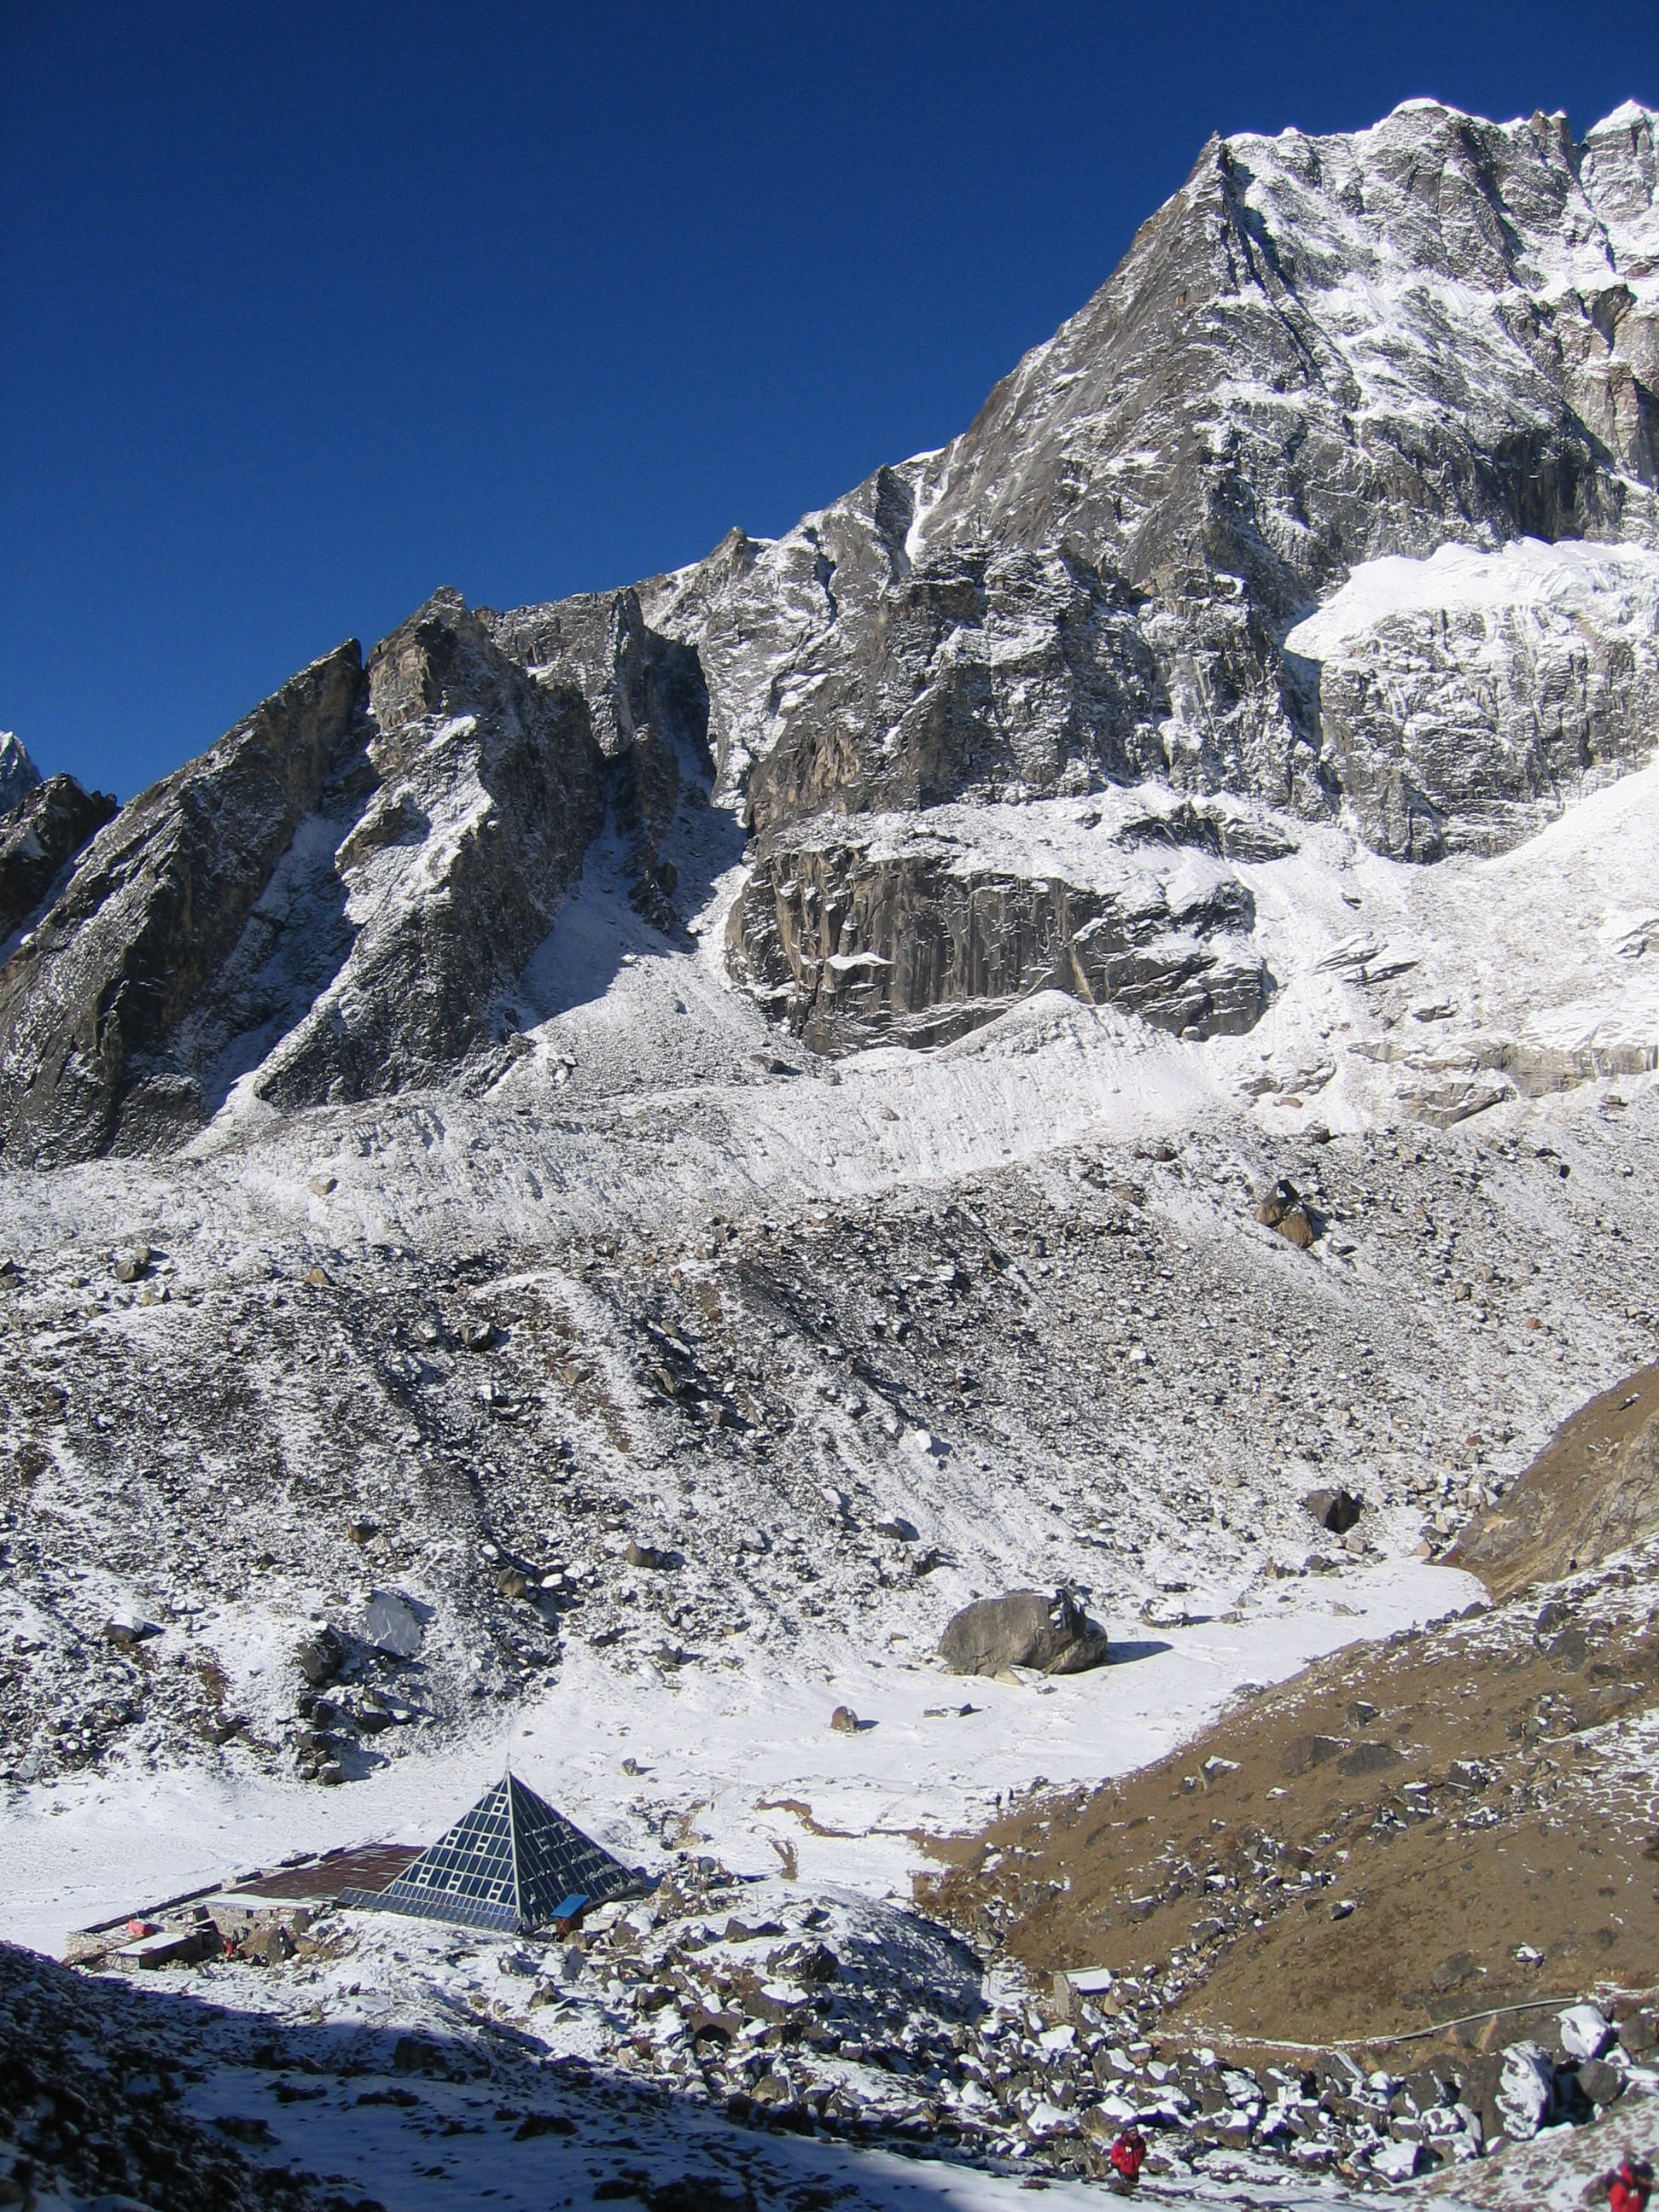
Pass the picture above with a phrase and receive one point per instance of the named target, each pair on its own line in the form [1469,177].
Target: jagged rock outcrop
[887,928]
[1320,352]
[18,773]
[1320,355]
[43,831]
[649,707]
[485,792]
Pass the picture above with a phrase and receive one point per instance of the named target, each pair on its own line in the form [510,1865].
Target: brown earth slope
[1402,1836]
[1593,1490]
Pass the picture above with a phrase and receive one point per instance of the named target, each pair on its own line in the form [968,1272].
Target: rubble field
[1098,1370]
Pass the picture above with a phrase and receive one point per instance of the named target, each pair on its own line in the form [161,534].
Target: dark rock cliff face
[1313,403]
[649,707]
[42,833]
[1447,725]
[88,1005]
[338,899]
[921,705]
[851,943]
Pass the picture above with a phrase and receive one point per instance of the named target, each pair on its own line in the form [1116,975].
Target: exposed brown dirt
[1592,1491]
[1362,1853]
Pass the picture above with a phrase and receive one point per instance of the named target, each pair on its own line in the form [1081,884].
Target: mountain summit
[1336,503]
[18,773]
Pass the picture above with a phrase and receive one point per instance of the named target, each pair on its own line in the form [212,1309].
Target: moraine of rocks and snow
[694,1131]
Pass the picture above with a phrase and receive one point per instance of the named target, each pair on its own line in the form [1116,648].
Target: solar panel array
[473,1863]
[506,1863]
[556,1860]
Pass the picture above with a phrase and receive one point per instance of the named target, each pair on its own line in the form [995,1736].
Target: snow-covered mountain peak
[18,773]
[1344,372]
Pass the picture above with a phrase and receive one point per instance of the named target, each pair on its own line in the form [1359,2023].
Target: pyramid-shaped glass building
[509,1864]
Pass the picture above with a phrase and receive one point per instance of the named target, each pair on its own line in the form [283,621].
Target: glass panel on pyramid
[506,1864]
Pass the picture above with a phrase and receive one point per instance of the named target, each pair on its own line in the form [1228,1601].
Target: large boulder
[1337,1510]
[1282,1206]
[1023,1629]
[392,1624]
[320,1657]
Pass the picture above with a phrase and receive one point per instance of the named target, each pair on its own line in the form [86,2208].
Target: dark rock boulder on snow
[1337,1510]
[1023,1629]
[1282,1206]
[320,1657]
[391,1624]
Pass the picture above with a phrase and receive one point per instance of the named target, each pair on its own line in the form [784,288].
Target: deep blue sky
[309,309]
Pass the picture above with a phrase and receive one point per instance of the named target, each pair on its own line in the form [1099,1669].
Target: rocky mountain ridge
[1336,503]
[336,899]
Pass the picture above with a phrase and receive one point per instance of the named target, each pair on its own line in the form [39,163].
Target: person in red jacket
[1127,2155]
[1630,2188]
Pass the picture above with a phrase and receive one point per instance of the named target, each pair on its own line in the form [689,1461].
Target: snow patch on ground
[750,1758]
